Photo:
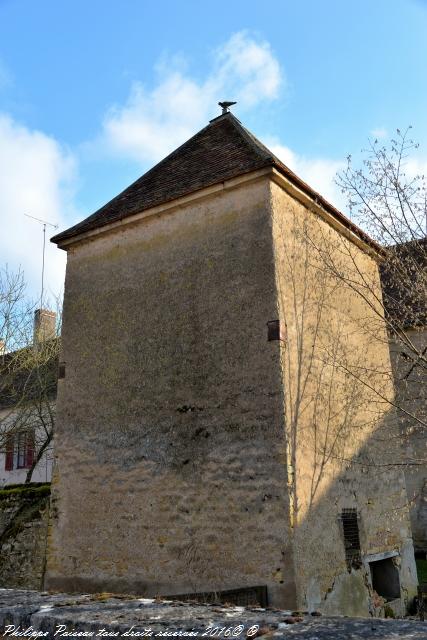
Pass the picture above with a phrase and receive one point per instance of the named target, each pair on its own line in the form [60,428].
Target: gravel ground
[43,615]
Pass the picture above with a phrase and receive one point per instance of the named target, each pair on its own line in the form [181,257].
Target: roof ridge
[220,151]
[249,137]
[256,144]
[170,155]
[116,198]
[203,162]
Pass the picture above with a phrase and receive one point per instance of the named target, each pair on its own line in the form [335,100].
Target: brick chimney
[44,325]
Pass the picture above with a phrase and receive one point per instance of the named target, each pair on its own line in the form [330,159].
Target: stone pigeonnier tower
[204,441]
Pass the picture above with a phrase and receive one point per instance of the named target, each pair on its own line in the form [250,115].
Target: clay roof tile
[222,150]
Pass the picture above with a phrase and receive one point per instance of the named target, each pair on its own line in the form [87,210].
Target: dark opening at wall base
[245,597]
[385,578]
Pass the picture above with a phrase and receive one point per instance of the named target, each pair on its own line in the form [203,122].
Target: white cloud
[154,122]
[415,167]
[247,69]
[37,174]
[380,133]
[319,173]
[36,177]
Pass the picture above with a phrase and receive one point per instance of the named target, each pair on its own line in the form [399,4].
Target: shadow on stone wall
[337,576]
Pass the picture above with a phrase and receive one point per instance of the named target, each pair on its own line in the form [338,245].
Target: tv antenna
[45,224]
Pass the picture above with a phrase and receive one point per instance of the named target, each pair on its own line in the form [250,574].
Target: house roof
[24,377]
[222,150]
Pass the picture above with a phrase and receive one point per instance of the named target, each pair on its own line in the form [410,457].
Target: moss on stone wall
[36,489]
[24,513]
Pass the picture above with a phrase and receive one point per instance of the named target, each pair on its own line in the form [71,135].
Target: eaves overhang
[277,172]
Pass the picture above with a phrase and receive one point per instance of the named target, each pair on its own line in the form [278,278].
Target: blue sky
[93,93]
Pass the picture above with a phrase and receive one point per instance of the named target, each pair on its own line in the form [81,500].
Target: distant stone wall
[23,529]
[412,397]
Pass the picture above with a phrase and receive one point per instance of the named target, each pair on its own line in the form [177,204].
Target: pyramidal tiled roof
[222,150]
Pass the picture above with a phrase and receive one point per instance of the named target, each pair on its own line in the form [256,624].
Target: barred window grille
[350,527]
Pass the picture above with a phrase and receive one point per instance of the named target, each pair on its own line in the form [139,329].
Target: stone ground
[40,614]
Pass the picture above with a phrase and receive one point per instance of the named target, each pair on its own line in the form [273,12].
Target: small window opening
[61,370]
[274,331]
[385,578]
[351,538]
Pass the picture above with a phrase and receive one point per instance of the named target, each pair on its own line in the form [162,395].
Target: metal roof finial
[225,106]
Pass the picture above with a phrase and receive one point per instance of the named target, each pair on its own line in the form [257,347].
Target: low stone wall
[24,514]
[47,616]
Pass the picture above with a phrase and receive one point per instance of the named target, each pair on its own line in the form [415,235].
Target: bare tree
[28,374]
[337,386]
[388,200]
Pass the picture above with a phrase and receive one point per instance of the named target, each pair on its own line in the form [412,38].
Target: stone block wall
[410,381]
[24,514]
[170,453]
